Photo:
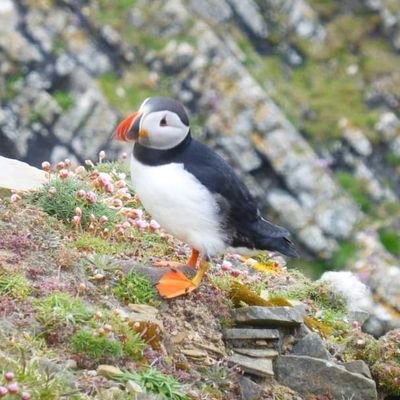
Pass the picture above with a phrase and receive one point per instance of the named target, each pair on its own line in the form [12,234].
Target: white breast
[181,204]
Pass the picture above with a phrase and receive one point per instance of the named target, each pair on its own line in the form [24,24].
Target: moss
[12,82]
[60,309]
[14,285]
[393,159]
[391,240]
[95,346]
[134,288]
[355,188]
[64,99]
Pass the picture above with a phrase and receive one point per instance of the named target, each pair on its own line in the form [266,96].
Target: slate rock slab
[358,367]
[260,367]
[17,175]
[309,375]
[268,316]
[311,345]
[257,353]
[249,390]
[250,334]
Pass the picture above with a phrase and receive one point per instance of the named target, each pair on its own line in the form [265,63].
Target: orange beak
[123,131]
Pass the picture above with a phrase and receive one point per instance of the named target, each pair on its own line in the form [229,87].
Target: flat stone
[257,353]
[309,375]
[108,371]
[249,334]
[268,316]
[194,353]
[249,390]
[311,345]
[263,366]
[17,175]
[358,367]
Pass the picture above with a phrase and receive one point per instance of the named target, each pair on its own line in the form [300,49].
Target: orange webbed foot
[173,284]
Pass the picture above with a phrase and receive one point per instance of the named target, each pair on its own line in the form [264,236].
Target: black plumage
[240,217]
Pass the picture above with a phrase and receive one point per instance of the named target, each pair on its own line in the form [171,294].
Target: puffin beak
[129,129]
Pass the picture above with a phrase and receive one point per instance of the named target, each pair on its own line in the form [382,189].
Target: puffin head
[161,123]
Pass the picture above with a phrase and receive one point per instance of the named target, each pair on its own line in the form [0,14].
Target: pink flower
[109,187]
[46,166]
[117,203]
[3,391]
[91,197]
[235,272]
[142,224]
[226,265]
[81,194]
[124,156]
[154,224]
[78,211]
[76,220]
[15,198]
[67,163]
[138,212]
[89,163]
[80,170]
[126,225]
[9,376]
[103,219]
[26,396]
[63,173]
[13,387]
[120,184]
[102,155]
[60,166]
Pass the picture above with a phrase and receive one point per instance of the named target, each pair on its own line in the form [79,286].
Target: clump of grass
[88,242]
[96,346]
[154,381]
[64,99]
[355,188]
[14,285]
[60,309]
[135,288]
[391,240]
[63,200]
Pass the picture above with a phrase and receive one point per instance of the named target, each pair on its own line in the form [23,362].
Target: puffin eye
[163,122]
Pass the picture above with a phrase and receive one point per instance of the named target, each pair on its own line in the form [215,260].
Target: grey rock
[311,345]
[216,10]
[268,316]
[249,390]
[358,367]
[250,334]
[263,367]
[257,353]
[309,375]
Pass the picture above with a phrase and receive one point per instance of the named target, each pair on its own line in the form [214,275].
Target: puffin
[193,193]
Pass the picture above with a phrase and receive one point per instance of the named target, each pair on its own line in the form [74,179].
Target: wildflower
[103,219]
[80,170]
[15,198]
[26,396]
[154,224]
[9,376]
[235,273]
[108,328]
[102,155]
[13,387]
[89,163]
[82,287]
[67,163]
[117,203]
[226,265]
[109,187]
[138,212]
[46,166]
[102,331]
[76,220]
[92,218]
[63,173]
[52,190]
[142,224]
[3,391]
[91,197]
[81,194]
[126,225]
[98,315]
[120,184]
[78,211]
[60,165]
[124,156]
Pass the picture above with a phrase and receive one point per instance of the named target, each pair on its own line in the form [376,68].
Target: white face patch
[164,130]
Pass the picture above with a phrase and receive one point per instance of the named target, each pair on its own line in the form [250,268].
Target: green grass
[88,242]
[154,381]
[390,240]
[64,99]
[355,188]
[14,285]
[63,203]
[134,288]
[95,346]
[393,159]
[60,309]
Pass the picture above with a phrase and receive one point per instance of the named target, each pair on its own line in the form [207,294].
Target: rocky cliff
[301,97]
